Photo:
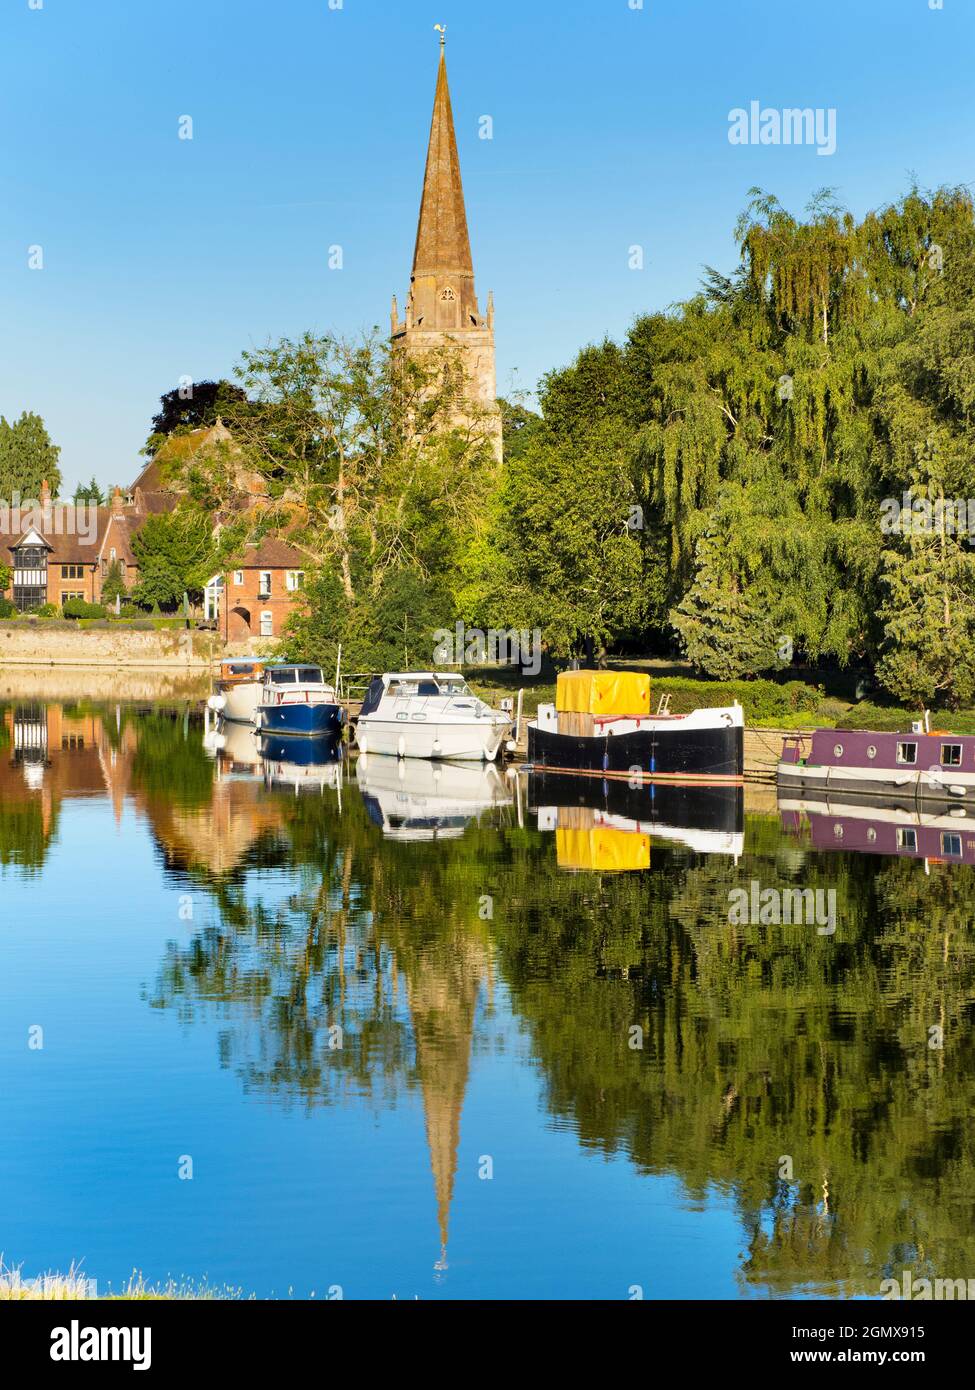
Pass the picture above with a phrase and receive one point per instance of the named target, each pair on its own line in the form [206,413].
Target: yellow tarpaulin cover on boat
[602,848]
[603,692]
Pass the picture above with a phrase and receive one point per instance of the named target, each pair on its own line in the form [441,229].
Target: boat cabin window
[951,755]
[373,696]
[907,752]
[311,675]
[283,677]
[402,690]
[455,685]
[951,845]
[906,839]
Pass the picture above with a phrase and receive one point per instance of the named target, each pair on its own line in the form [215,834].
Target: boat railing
[794,748]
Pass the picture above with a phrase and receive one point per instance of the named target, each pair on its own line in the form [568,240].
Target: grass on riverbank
[76,1287]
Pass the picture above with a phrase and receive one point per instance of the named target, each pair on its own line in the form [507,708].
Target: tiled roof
[82,544]
[270,553]
[156,502]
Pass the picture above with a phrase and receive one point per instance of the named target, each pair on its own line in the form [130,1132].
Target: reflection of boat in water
[237,689]
[933,832]
[603,824]
[300,763]
[235,746]
[417,799]
[242,752]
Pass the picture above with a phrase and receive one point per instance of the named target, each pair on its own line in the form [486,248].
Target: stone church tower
[442,308]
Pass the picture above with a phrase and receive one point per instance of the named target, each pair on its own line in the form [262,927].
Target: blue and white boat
[295,700]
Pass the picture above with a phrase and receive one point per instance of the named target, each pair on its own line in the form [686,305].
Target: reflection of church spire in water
[443,991]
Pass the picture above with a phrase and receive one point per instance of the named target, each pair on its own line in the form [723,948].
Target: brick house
[64,550]
[256,598]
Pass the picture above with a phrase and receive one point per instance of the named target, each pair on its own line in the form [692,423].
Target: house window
[28,598]
[238,577]
[66,594]
[264,587]
[906,838]
[72,572]
[30,578]
[294,579]
[267,624]
[951,845]
[907,752]
[951,755]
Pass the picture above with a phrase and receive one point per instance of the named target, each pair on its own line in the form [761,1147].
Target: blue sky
[165,257]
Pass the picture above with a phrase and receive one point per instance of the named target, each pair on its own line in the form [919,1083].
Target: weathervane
[442,29]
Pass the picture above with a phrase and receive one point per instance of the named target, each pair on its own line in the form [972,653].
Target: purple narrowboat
[924,765]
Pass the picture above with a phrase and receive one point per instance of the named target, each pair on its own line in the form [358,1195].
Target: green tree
[113,586]
[563,552]
[27,458]
[724,632]
[90,492]
[176,554]
[193,406]
[372,475]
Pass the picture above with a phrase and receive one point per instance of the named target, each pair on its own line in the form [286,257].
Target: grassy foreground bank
[77,1287]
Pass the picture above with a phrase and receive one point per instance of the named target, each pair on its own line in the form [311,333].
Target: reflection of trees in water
[26,833]
[760,1043]
[766,1042]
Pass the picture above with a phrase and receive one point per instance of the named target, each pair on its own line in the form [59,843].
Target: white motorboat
[418,799]
[428,714]
[237,689]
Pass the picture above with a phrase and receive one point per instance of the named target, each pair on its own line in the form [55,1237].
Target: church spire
[441,309]
[442,241]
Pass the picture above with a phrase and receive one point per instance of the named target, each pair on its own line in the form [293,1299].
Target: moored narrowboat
[925,764]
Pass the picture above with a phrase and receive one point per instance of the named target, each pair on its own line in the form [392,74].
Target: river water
[288,1024]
